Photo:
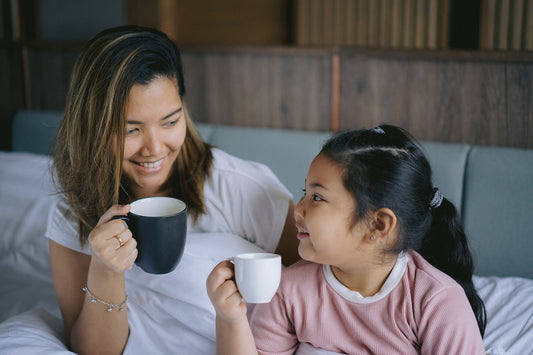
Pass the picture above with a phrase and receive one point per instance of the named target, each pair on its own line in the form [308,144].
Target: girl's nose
[299,210]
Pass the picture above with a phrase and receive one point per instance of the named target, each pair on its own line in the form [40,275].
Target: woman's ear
[385,222]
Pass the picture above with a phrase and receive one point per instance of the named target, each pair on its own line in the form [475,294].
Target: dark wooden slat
[472,100]
[260,88]
[11,90]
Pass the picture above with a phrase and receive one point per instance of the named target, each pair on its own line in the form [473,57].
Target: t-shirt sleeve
[245,198]
[62,227]
[448,325]
[273,331]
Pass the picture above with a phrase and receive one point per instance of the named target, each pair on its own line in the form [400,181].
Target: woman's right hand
[223,293]
[111,242]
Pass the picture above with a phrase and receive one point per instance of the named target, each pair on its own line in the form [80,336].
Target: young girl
[386,269]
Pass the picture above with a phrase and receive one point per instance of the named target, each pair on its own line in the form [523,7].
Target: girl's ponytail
[445,246]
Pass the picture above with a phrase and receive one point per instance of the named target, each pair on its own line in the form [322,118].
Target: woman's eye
[131,131]
[317,198]
[171,123]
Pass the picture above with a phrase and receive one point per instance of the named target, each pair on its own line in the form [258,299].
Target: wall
[452,96]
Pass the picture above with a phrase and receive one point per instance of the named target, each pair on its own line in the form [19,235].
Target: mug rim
[257,256]
[184,210]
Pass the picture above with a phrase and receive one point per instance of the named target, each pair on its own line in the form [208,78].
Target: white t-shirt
[246,210]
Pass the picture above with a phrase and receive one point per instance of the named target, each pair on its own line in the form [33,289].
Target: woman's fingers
[115,210]
[111,241]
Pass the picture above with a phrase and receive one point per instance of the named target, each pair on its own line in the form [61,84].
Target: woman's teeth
[151,165]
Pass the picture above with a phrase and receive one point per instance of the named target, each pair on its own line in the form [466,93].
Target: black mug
[159,225]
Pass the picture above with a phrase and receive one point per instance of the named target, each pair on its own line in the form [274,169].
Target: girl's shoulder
[302,272]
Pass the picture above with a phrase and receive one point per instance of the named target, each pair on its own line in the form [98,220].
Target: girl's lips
[302,235]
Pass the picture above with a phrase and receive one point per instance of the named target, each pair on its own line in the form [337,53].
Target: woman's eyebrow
[161,119]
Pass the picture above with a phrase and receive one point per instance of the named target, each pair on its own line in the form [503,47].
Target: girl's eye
[315,197]
[131,131]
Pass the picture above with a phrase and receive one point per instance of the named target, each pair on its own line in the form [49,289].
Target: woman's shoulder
[240,172]
[62,226]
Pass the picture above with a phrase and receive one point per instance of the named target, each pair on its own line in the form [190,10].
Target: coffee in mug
[257,276]
[159,225]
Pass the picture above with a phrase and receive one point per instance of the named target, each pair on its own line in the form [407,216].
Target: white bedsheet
[30,321]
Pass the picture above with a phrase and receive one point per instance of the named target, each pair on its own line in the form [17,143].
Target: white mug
[257,276]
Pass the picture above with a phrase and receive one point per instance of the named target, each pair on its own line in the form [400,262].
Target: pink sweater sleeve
[448,325]
[272,329]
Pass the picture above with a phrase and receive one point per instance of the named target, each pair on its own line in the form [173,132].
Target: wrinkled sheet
[30,321]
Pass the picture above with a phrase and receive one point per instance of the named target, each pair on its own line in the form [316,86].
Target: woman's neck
[142,193]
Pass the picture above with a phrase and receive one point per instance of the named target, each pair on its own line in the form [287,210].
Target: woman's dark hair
[385,167]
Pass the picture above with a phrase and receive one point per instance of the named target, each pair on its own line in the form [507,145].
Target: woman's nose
[151,144]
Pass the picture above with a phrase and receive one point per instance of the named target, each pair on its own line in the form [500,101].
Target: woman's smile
[149,166]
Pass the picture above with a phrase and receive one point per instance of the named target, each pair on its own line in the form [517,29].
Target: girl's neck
[368,281]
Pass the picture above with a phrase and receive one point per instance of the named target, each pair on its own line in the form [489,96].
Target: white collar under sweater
[354,296]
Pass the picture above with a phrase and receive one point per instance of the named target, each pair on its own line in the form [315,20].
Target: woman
[126,135]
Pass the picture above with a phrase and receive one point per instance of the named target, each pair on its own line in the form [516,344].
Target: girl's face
[155,132]
[324,218]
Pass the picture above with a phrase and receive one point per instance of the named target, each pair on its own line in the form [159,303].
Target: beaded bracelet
[110,306]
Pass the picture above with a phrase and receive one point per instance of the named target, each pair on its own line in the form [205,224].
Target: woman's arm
[89,326]
[288,243]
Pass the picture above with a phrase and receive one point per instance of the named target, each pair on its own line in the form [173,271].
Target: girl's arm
[233,333]
[89,326]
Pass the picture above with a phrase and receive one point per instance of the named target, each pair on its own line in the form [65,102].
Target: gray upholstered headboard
[491,186]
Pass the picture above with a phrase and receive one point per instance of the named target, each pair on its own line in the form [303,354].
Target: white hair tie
[437,199]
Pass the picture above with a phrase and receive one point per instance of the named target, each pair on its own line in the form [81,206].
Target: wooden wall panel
[11,89]
[439,98]
[276,87]
[519,91]
[50,67]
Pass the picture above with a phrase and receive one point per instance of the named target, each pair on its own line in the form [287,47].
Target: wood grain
[11,89]
[446,99]
[276,87]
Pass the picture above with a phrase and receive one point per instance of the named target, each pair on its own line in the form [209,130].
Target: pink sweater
[424,312]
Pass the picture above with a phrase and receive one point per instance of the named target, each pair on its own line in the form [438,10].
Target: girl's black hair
[385,167]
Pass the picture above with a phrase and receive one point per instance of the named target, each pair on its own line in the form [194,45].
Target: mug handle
[125,218]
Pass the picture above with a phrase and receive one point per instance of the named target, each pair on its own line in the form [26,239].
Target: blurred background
[447,70]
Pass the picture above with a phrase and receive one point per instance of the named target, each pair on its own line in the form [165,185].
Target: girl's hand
[111,242]
[223,293]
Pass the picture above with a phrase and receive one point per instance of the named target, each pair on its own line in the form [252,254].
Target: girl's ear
[385,222]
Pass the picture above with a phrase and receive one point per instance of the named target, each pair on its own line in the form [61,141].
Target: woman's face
[155,132]
[324,218]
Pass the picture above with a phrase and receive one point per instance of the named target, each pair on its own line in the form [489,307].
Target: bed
[30,320]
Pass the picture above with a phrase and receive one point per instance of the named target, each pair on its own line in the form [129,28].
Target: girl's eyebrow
[161,119]
[317,184]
